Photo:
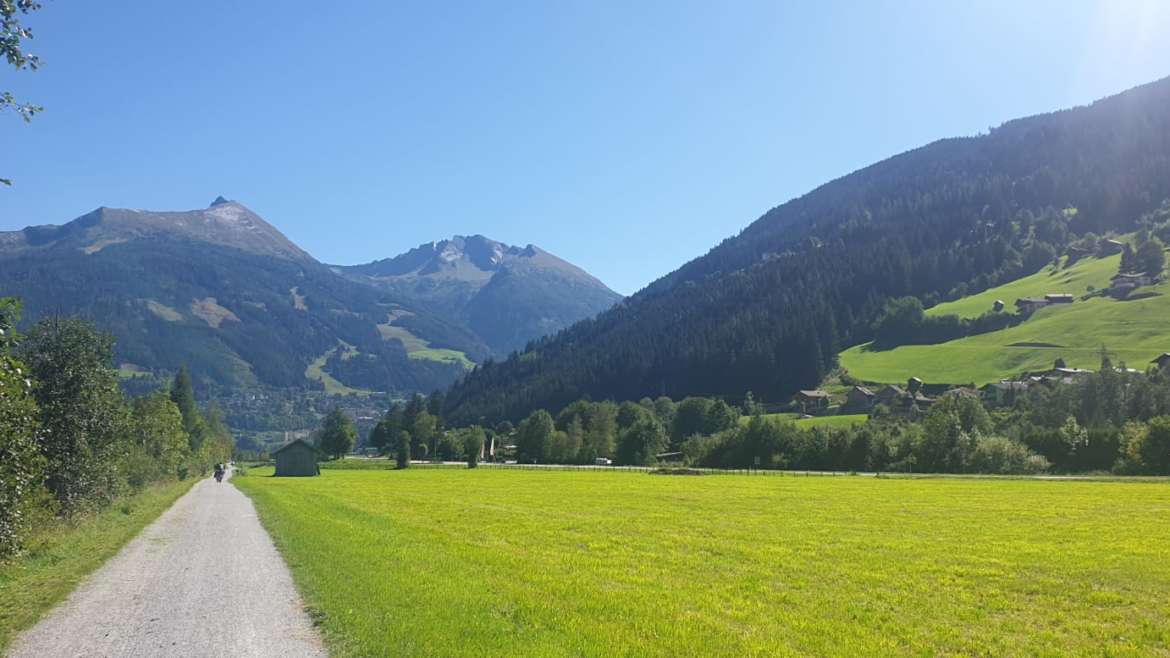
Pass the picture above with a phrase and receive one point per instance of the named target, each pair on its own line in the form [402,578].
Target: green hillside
[1084,275]
[1134,331]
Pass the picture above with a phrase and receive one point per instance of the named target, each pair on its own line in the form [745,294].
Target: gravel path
[202,580]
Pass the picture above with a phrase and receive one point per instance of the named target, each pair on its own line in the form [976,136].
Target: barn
[298,458]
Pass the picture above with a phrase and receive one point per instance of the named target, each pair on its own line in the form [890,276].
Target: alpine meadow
[400,329]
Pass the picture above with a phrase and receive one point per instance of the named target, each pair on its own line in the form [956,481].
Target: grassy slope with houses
[1134,331]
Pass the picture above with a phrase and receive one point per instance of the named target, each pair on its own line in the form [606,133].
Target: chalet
[960,392]
[860,398]
[1162,360]
[890,395]
[997,306]
[810,401]
[1030,304]
[1140,279]
[1058,298]
[1121,289]
[297,458]
[1110,247]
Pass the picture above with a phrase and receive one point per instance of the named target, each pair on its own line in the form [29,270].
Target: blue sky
[627,137]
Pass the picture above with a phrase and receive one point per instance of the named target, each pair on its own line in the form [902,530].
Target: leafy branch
[12,36]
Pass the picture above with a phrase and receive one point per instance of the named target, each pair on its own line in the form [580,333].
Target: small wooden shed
[297,458]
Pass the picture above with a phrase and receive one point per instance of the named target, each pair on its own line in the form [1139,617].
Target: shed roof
[293,443]
[814,394]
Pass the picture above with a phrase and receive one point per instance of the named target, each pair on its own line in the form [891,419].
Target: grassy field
[61,554]
[482,562]
[1134,331]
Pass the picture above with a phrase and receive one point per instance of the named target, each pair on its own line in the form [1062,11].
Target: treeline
[769,309]
[1114,421]
[71,442]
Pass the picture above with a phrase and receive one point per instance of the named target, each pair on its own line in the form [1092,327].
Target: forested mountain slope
[225,293]
[507,295]
[767,310]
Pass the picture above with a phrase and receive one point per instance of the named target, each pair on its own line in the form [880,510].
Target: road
[203,580]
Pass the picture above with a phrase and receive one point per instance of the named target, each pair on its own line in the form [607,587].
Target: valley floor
[526,562]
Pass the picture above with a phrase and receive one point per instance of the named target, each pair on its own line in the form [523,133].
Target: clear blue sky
[627,137]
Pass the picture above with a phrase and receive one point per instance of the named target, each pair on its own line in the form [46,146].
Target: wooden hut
[298,458]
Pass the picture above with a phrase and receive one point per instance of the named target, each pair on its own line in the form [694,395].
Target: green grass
[419,348]
[1095,272]
[1134,331]
[61,554]
[505,563]
[844,420]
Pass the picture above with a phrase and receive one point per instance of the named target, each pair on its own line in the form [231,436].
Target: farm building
[298,458]
[1110,247]
[860,399]
[890,395]
[1130,281]
[1030,304]
[1059,298]
[1162,360]
[811,401]
[997,306]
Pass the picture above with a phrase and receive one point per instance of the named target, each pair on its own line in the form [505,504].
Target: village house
[903,400]
[1028,305]
[860,399]
[1110,247]
[811,402]
[890,395]
[1124,283]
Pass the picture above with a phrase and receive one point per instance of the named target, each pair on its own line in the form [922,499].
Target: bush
[20,464]
[1002,456]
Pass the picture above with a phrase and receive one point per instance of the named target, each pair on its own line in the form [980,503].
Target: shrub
[1002,456]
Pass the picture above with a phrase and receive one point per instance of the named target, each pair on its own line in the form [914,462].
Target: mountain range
[225,293]
[507,295]
[769,309]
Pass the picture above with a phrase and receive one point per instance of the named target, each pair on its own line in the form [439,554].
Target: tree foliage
[13,34]
[20,462]
[338,435]
[82,413]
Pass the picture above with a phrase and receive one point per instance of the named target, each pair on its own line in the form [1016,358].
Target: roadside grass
[61,554]
[1134,331]
[454,562]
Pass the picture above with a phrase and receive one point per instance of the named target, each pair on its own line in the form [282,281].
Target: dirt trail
[202,580]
